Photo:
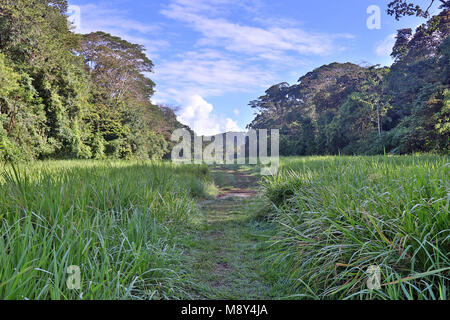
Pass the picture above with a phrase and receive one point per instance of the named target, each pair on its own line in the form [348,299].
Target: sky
[212,57]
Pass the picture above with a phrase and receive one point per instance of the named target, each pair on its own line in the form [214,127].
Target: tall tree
[118,66]
[72,96]
[368,110]
[130,123]
[35,37]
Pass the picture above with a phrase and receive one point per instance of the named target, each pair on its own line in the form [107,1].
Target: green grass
[149,230]
[120,222]
[225,251]
[225,254]
[337,216]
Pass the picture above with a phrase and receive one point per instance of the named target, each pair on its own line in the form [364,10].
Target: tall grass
[337,216]
[117,221]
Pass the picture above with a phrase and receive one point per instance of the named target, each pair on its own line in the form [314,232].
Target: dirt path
[227,251]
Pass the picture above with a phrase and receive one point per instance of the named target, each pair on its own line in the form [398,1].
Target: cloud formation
[384,48]
[221,56]
[265,42]
[231,57]
[209,73]
[198,115]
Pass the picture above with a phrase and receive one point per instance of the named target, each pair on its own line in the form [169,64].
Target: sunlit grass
[129,226]
[118,221]
[339,215]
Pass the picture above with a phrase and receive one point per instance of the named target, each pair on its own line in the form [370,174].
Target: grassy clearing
[337,216]
[142,230]
[119,221]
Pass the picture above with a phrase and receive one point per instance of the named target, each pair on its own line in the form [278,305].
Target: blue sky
[214,56]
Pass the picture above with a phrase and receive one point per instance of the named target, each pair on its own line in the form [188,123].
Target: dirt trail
[226,254]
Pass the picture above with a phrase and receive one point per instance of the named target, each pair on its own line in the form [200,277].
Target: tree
[400,50]
[130,123]
[303,111]
[64,95]
[401,8]
[349,109]
[22,117]
[118,66]
[426,129]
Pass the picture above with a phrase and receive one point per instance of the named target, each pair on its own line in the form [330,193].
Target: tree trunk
[379,124]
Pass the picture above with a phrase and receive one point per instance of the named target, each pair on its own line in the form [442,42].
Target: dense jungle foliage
[65,95]
[343,108]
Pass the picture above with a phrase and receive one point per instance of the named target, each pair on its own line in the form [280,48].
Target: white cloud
[97,17]
[231,57]
[236,112]
[209,73]
[232,126]
[384,48]
[273,42]
[217,7]
[102,17]
[198,114]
